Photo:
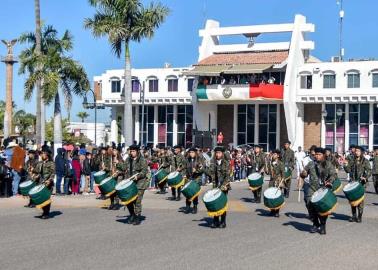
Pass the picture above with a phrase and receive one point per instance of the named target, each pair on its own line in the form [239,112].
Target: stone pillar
[174,141]
[322,129]
[156,130]
[114,126]
[371,126]
[137,135]
[346,134]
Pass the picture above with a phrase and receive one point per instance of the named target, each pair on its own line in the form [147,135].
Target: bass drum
[354,192]
[40,196]
[127,191]
[273,198]
[324,201]
[215,201]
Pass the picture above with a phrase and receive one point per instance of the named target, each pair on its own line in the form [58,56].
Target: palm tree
[82,116]
[124,21]
[57,72]
[40,110]
[25,123]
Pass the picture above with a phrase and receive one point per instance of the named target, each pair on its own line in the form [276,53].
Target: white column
[174,141]
[346,138]
[371,126]
[113,126]
[155,125]
[299,126]
[256,123]
[322,128]
[235,135]
[137,124]
[278,126]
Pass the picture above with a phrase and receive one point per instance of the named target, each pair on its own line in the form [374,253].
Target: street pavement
[83,235]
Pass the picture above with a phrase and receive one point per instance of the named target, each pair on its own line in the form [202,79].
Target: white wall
[88,129]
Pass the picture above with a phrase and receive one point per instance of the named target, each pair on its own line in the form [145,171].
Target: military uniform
[164,161]
[320,175]
[276,170]
[358,168]
[44,174]
[177,164]
[194,170]
[219,172]
[288,159]
[374,160]
[136,166]
[258,165]
[30,166]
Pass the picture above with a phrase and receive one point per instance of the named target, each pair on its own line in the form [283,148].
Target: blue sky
[177,40]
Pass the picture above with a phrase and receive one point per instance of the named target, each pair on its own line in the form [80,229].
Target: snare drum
[25,187]
[324,201]
[107,186]
[354,192]
[127,191]
[255,180]
[191,190]
[273,198]
[161,176]
[336,185]
[40,196]
[175,180]
[99,176]
[215,201]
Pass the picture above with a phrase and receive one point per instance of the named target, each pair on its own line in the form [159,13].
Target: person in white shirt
[299,156]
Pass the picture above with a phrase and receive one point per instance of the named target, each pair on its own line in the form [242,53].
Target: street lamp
[88,105]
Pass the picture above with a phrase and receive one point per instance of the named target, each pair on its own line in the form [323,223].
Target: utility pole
[341,20]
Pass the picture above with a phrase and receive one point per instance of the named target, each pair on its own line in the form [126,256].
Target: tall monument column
[9,60]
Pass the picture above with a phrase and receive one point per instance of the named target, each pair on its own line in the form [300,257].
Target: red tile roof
[271,57]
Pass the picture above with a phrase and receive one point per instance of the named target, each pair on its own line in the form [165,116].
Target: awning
[248,69]
[207,70]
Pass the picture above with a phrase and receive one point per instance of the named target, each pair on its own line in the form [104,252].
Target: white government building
[254,93]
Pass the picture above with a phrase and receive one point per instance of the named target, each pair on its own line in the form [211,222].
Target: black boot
[223,221]
[353,218]
[173,198]
[277,213]
[187,208]
[359,218]
[178,195]
[137,220]
[194,211]
[322,229]
[46,211]
[131,218]
[287,192]
[314,229]
[215,223]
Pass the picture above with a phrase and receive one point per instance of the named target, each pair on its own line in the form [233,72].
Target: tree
[2,113]
[124,21]
[67,136]
[25,123]
[57,72]
[82,116]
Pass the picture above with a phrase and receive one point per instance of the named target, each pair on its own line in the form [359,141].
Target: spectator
[87,172]
[76,173]
[17,163]
[60,168]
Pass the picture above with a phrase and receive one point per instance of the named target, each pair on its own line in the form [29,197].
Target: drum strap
[131,167]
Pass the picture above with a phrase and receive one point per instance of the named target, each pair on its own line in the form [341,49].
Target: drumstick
[134,176]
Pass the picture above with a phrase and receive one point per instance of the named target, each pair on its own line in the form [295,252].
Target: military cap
[177,146]
[328,149]
[352,146]
[31,152]
[192,149]
[219,149]
[257,146]
[312,148]
[47,151]
[320,150]
[277,151]
[360,148]
[134,147]
[289,142]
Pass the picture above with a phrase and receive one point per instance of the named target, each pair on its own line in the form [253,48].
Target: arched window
[305,79]
[172,81]
[329,79]
[353,76]
[135,84]
[115,85]
[153,84]
[374,76]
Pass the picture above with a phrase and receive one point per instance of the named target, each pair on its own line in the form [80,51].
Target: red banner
[266,91]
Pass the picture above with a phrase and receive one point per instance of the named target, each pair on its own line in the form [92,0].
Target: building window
[246,124]
[306,81]
[268,126]
[335,127]
[329,81]
[190,85]
[184,125]
[359,125]
[135,86]
[148,125]
[172,85]
[153,85]
[375,125]
[165,125]
[354,80]
[375,79]
[116,86]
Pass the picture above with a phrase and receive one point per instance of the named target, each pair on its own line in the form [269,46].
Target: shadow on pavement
[53,214]
[126,218]
[296,215]
[339,216]
[370,192]
[263,212]
[299,226]
[340,196]
[376,204]
[206,222]
[247,200]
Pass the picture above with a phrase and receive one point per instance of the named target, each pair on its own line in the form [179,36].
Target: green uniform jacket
[276,170]
[194,169]
[375,165]
[45,172]
[333,161]
[30,166]
[178,163]
[131,167]
[220,174]
[319,173]
[164,162]
[258,162]
[288,158]
[103,162]
[358,168]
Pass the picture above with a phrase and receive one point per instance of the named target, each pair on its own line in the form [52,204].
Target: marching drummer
[258,165]
[116,159]
[164,161]
[178,165]
[194,170]
[276,170]
[375,169]
[359,170]
[44,174]
[30,166]
[319,173]
[219,172]
[288,158]
[135,166]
